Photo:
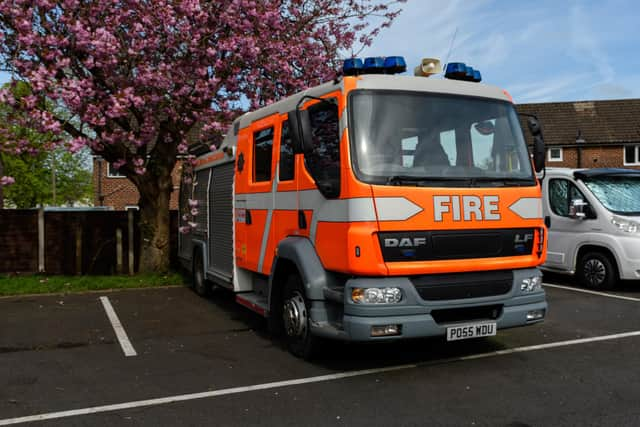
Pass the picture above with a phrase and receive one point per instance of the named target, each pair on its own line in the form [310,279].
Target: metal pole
[130,230]
[41,247]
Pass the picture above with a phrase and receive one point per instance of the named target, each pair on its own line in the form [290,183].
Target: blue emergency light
[352,67]
[374,65]
[460,71]
[394,64]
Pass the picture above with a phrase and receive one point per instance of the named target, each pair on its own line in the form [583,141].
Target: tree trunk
[1,191]
[155,194]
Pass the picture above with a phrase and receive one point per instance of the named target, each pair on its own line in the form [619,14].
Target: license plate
[471,330]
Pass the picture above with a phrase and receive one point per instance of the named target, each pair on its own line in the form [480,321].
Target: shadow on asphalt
[340,356]
[632,286]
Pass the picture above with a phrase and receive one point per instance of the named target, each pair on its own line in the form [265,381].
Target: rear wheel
[198,281]
[296,319]
[596,271]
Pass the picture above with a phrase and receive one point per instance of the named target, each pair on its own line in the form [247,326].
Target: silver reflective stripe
[359,209]
[396,208]
[267,227]
[528,208]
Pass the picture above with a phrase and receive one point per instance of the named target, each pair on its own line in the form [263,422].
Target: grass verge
[40,284]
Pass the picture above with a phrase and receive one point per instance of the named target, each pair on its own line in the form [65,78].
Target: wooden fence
[72,242]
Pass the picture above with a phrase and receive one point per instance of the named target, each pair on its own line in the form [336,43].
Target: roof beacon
[394,65]
[460,71]
[352,67]
[428,67]
[374,65]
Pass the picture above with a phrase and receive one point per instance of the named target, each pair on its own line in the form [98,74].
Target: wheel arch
[297,255]
[200,246]
[608,252]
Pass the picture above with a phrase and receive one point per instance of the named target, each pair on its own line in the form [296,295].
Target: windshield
[432,139]
[619,194]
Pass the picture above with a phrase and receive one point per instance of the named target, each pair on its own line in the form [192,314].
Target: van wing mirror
[300,126]
[577,209]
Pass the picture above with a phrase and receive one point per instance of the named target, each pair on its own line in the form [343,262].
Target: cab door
[565,231]
[254,200]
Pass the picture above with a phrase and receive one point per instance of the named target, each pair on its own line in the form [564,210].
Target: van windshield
[429,139]
[619,194]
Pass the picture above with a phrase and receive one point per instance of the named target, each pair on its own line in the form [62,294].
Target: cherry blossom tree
[137,80]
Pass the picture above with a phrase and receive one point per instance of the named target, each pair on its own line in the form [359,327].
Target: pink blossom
[6,180]
[193,203]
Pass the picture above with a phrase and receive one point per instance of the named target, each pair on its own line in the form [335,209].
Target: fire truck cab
[373,207]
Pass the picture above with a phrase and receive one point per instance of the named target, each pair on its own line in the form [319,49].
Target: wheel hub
[295,316]
[594,271]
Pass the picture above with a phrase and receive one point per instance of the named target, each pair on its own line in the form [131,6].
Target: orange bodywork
[354,247]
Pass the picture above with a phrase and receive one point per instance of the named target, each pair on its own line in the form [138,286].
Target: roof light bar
[374,65]
[460,71]
[352,67]
[394,64]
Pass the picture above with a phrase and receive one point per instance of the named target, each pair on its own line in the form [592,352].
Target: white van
[593,217]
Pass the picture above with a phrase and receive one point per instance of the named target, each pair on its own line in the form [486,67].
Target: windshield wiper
[505,180]
[399,179]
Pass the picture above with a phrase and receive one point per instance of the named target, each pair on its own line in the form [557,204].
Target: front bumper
[420,318]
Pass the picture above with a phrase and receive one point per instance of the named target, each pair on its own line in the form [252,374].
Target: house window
[555,154]
[113,172]
[632,155]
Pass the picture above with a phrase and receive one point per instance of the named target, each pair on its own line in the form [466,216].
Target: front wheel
[296,320]
[596,271]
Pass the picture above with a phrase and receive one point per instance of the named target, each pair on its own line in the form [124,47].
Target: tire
[296,320]
[198,281]
[596,271]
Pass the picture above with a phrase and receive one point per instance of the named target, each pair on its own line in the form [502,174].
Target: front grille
[455,244]
[451,315]
[438,287]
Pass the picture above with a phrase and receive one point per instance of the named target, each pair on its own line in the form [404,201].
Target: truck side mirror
[300,125]
[538,143]
[577,209]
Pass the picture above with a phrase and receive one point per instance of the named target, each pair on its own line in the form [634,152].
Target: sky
[539,51]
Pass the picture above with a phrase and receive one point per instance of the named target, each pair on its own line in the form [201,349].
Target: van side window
[561,193]
[287,164]
[262,149]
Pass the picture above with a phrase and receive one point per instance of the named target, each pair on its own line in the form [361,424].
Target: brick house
[589,134]
[115,190]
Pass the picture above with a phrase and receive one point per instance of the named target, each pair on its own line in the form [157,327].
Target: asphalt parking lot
[196,361]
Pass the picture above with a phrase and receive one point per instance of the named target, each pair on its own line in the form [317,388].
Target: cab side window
[323,162]
[561,193]
[262,152]
[287,164]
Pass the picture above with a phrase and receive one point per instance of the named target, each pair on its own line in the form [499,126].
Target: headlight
[376,295]
[531,284]
[625,224]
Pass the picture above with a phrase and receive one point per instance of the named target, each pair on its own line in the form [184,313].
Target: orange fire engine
[375,207]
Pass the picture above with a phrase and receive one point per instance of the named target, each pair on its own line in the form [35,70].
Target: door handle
[547,221]
[247,218]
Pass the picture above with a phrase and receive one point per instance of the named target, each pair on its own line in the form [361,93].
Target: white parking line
[309,380]
[121,334]
[586,291]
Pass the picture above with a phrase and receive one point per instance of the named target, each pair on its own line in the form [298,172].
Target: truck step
[334,294]
[254,302]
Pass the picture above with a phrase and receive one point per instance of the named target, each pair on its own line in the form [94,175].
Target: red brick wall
[120,192]
[592,157]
